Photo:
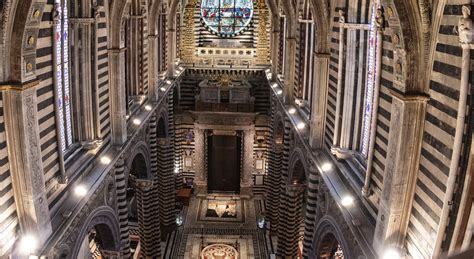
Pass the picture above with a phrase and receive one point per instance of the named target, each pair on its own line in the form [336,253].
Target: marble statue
[465,25]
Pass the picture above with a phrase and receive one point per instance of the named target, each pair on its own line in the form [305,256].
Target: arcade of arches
[236,129]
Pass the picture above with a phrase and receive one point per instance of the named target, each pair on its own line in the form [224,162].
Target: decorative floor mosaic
[221,209]
[226,220]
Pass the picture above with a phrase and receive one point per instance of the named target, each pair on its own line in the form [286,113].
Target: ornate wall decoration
[188,44]
[263,43]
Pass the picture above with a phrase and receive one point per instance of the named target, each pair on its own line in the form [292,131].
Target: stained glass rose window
[226,17]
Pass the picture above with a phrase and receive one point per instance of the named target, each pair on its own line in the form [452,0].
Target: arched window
[305,57]
[370,85]
[61,74]
[226,17]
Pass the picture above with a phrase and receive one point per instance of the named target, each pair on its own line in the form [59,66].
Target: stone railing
[225,57]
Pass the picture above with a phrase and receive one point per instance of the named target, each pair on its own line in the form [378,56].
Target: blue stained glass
[369,92]
[226,17]
[61,45]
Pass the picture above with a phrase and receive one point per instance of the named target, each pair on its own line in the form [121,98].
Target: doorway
[224,154]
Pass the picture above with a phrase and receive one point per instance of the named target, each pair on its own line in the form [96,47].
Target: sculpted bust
[342,19]
[465,25]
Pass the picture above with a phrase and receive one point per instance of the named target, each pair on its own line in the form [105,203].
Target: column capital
[409,97]
[82,20]
[144,184]
[320,55]
[116,50]
[18,86]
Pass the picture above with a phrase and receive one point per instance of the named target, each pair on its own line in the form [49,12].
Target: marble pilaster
[406,127]
[117,95]
[318,109]
[26,166]
[290,57]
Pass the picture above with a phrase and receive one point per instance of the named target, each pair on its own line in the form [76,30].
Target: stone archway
[292,207]
[101,232]
[329,240]
[329,248]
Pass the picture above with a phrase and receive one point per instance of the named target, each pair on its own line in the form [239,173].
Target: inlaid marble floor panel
[218,219]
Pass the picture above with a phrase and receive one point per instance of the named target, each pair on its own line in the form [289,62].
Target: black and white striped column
[290,221]
[283,156]
[273,185]
[122,207]
[166,182]
[150,246]
[311,212]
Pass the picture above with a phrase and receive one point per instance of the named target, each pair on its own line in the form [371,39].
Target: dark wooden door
[223,164]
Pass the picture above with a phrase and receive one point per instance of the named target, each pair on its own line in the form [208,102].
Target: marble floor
[219,219]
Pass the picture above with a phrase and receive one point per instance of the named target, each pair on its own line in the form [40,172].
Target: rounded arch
[106,224]
[298,167]
[139,158]
[279,128]
[153,16]
[321,21]
[162,125]
[117,14]
[326,228]
[25,20]
[407,17]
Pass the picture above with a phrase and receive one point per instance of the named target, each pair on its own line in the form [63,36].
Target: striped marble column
[166,182]
[177,165]
[290,221]
[284,155]
[311,210]
[273,194]
[150,246]
[122,207]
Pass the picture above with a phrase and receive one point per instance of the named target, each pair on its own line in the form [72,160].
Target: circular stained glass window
[226,17]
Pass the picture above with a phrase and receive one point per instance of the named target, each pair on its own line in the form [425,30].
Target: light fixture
[292,110]
[105,160]
[127,116]
[301,125]
[326,166]
[80,190]
[28,244]
[279,92]
[267,70]
[347,201]
[176,170]
[148,107]
[136,121]
[274,85]
[391,254]
[168,82]
[163,89]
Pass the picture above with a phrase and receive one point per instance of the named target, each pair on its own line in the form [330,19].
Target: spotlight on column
[80,190]
[136,121]
[28,244]
[292,110]
[347,201]
[105,160]
[301,125]
[391,253]
[326,166]
[163,89]
[148,107]
[279,92]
